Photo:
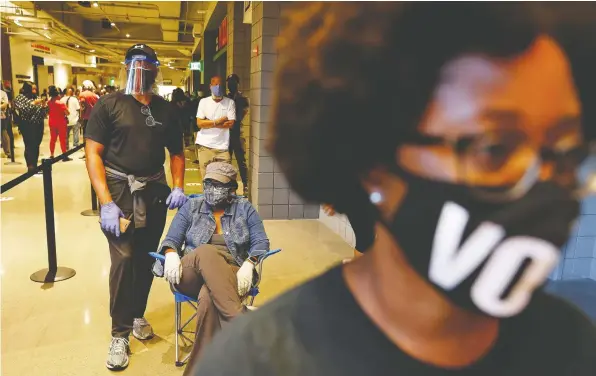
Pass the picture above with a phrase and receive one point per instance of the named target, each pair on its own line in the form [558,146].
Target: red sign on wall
[41,48]
[222,39]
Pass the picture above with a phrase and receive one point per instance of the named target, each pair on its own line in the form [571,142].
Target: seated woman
[219,237]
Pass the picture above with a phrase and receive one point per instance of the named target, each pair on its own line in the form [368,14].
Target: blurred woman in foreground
[462,125]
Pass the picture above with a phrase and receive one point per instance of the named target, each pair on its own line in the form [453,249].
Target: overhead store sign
[196,65]
[247,12]
[37,47]
[222,37]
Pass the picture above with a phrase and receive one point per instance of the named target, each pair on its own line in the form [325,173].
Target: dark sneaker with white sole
[118,354]
[141,329]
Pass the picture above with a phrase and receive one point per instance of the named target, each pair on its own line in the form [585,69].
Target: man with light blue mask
[215,116]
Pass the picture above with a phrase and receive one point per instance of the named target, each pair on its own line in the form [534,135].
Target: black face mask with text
[484,257]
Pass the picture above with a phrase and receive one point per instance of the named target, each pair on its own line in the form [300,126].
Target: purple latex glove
[110,215]
[176,199]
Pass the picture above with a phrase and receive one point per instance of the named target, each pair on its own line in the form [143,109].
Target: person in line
[5,120]
[125,140]
[211,251]
[194,107]
[215,116]
[44,94]
[31,112]
[180,108]
[74,125]
[237,141]
[58,121]
[87,99]
[473,181]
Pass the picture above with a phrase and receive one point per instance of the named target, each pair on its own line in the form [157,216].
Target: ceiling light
[91,50]
[95,4]
[18,22]
[127,35]
[47,36]
[45,27]
[113,24]
[77,46]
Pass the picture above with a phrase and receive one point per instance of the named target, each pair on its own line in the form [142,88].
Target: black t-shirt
[241,103]
[318,329]
[132,146]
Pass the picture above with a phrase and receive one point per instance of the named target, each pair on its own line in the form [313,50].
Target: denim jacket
[194,225]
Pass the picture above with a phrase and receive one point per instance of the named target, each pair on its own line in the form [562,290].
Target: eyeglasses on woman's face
[501,126]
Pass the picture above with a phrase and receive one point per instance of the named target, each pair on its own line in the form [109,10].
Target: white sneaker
[118,354]
[141,329]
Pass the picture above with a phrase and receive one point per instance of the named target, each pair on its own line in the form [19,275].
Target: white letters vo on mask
[449,266]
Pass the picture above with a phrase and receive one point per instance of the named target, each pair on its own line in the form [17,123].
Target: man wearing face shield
[125,140]
[211,250]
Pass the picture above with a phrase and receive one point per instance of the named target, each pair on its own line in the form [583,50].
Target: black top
[131,146]
[241,103]
[318,329]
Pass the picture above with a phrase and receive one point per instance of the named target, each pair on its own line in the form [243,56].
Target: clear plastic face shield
[140,75]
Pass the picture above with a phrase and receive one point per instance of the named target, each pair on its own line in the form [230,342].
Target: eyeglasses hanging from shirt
[149,120]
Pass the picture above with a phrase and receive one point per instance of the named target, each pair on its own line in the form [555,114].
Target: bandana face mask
[217,195]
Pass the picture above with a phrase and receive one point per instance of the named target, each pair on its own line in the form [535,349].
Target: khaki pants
[209,273]
[208,155]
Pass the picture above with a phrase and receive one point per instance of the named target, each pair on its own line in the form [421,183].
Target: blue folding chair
[180,298]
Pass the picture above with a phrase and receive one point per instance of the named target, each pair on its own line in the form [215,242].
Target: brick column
[269,189]
[238,59]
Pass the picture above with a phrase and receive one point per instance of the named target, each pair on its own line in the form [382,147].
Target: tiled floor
[64,329]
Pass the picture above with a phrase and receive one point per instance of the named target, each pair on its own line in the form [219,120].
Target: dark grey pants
[209,273]
[130,271]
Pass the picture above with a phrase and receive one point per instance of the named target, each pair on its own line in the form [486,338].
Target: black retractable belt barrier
[53,273]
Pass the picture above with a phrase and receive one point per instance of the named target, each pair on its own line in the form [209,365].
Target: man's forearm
[97,175]
[177,168]
[227,125]
[205,123]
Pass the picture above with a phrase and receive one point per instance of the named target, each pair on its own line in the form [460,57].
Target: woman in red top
[57,121]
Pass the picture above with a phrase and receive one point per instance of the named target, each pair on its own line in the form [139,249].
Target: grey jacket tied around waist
[137,183]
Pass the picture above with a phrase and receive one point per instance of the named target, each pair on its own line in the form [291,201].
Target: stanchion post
[53,273]
[93,212]
[93,199]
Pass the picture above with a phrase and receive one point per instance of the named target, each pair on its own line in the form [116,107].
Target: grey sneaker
[141,329]
[118,354]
